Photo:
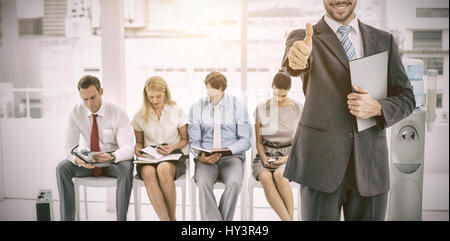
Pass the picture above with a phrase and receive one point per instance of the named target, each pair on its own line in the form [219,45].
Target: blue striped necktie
[349,50]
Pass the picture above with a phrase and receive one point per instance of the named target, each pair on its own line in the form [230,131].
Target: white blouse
[164,130]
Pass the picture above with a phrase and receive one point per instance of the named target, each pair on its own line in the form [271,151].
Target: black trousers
[321,206]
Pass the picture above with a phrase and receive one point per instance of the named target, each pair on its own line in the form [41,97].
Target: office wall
[408,20]
[32,148]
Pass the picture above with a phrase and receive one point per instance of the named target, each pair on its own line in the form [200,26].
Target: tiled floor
[24,210]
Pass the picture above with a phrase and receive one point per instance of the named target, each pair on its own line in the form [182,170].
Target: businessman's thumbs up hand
[300,50]
[309,34]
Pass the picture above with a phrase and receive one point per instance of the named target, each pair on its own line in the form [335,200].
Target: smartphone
[272,160]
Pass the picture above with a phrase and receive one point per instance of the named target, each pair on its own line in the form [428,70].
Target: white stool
[180,182]
[100,181]
[217,185]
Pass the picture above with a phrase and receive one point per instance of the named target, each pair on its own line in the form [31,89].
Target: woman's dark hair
[282,80]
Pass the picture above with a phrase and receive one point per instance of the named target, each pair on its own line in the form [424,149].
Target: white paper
[151,155]
[370,73]
[199,150]
[92,154]
[87,156]
[152,152]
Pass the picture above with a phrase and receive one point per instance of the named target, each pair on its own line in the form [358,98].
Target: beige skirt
[270,151]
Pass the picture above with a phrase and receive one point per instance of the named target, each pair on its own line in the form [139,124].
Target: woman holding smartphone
[162,124]
[275,124]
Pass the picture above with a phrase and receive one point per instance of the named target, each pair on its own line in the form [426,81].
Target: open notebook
[88,157]
[151,155]
[223,151]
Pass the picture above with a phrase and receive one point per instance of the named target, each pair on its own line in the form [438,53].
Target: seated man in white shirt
[106,129]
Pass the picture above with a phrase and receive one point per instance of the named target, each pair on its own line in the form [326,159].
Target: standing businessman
[337,166]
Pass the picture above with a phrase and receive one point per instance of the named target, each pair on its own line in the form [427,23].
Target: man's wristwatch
[113,158]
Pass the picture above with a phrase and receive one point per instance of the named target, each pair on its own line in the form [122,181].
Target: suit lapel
[368,39]
[328,38]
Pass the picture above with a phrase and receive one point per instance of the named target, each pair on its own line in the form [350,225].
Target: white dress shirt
[114,130]
[354,35]
[164,130]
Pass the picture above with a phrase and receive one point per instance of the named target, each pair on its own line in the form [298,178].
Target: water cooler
[406,141]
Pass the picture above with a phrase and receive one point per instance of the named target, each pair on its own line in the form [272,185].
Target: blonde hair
[158,84]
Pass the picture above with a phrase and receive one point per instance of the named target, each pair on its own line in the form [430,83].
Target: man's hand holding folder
[362,105]
[91,160]
[369,82]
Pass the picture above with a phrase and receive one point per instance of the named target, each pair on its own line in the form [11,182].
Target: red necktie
[95,146]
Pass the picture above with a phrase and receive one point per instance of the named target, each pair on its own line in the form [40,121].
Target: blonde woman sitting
[161,123]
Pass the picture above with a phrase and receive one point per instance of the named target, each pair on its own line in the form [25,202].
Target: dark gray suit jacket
[327,131]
